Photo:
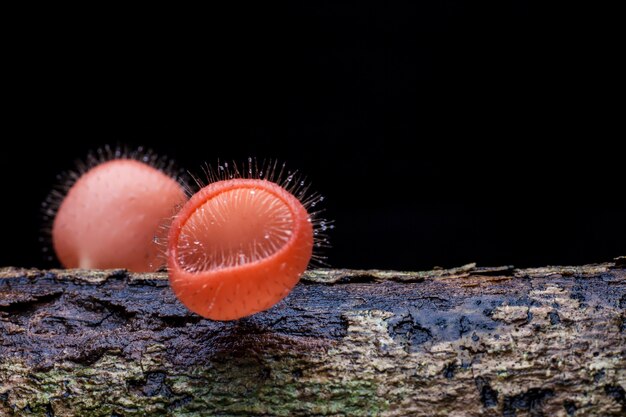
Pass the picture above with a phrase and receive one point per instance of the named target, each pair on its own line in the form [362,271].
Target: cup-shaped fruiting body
[111,215]
[238,247]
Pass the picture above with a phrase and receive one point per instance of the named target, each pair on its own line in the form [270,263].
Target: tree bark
[466,341]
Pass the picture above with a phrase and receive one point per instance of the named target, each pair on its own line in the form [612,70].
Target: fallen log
[465,341]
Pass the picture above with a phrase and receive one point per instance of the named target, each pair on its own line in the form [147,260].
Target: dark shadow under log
[466,341]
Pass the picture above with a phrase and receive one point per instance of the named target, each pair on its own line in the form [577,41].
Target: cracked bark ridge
[465,341]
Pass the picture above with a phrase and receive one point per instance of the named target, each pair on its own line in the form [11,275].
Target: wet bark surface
[465,341]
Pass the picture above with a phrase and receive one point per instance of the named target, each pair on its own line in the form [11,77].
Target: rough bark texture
[467,341]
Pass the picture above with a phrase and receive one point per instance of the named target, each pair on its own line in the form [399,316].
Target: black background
[441,133]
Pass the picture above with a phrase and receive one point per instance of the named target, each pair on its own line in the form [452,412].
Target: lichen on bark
[465,341]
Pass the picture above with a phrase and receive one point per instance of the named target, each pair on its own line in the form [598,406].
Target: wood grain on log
[466,341]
